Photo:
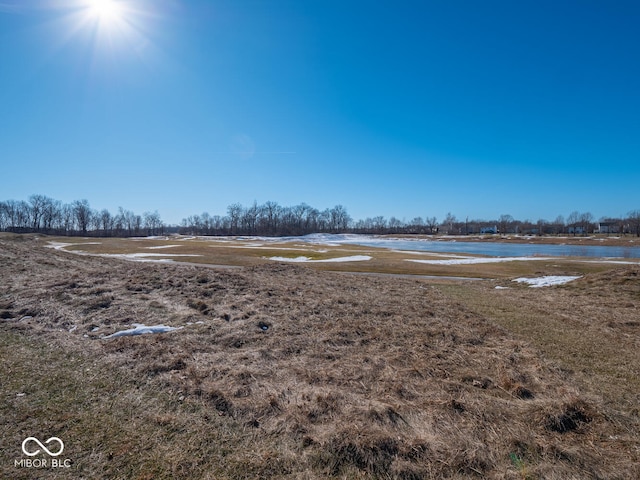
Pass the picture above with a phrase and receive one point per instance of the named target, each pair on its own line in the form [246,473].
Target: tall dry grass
[284,372]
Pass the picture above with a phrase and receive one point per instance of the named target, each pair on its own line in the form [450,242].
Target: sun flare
[107,11]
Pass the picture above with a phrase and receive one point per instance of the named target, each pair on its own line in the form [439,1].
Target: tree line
[41,214]
[271,219]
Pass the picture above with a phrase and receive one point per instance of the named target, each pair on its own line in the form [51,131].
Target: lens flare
[107,11]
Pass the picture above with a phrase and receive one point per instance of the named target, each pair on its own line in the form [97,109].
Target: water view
[495,249]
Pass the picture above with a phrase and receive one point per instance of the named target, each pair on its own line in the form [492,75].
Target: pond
[494,248]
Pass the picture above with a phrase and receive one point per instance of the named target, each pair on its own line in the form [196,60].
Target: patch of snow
[62,245]
[500,287]
[353,258]
[58,245]
[474,260]
[163,246]
[143,257]
[546,281]
[325,239]
[140,329]
[293,260]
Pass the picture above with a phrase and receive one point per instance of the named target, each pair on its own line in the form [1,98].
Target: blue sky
[404,108]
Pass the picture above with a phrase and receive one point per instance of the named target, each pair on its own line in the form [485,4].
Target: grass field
[229,251]
[290,371]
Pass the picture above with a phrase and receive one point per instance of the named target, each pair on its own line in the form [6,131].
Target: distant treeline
[41,214]
[271,219]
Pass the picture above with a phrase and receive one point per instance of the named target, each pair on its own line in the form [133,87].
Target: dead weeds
[285,372]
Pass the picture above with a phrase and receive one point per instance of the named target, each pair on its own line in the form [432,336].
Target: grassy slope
[354,377]
[589,326]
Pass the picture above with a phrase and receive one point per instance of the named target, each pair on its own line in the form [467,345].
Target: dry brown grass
[214,251]
[288,372]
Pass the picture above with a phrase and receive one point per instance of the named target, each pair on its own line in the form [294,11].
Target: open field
[231,251]
[292,371]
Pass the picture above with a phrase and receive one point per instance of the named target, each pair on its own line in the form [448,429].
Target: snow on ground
[325,239]
[163,246]
[62,246]
[150,237]
[472,260]
[140,329]
[547,280]
[353,258]
[143,257]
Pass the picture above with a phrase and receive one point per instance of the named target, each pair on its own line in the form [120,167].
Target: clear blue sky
[405,108]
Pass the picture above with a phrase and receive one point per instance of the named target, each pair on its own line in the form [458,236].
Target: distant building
[608,227]
[491,230]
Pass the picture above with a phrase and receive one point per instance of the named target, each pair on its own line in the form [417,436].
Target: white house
[608,227]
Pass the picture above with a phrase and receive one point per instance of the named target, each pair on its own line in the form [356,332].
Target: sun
[107,11]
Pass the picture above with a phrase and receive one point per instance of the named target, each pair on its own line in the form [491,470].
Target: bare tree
[504,223]
[271,211]
[572,222]
[82,212]
[106,221]
[23,215]
[586,222]
[4,218]
[8,210]
[51,213]
[416,225]
[67,218]
[153,223]
[542,226]
[37,209]
[634,221]
[379,224]
[137,223]
[126,220]
[432,224]
[234,211]
[559,224]
[339,219]
[449,222]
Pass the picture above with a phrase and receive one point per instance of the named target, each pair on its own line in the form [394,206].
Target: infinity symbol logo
[49,452]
